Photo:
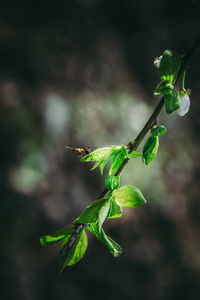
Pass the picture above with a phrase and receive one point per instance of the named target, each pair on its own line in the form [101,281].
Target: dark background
[81,73]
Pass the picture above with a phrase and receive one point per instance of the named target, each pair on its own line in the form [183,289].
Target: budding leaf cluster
[169,65]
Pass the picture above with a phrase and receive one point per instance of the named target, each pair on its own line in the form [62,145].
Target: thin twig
[133,145]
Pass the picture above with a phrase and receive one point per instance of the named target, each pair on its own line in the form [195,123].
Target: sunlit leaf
[113,247]
[128,196]
[102,162]
[124,151]
[97,154]
[80,248]
[103,155]
[116,163]
[48,240]
[103,214]
[164,88]
[75,253]
[93,212]
[134,154]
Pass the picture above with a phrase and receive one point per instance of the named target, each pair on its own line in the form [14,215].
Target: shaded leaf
[64,243]
[158,131]
[112,182]
[150,149]
[172,102]
[169,66]
[115,211]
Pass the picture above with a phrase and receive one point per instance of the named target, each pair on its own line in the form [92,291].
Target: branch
[133,145]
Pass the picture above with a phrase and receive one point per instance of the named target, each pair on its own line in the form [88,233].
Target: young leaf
[116,163]
[128,196]
[97,154]
[102,156]
[115,211]
[102,162]
[63,244]
[113,247]
[164,88]
[150,149]
[48,240]
[134,154]
[124,151]
[103,214]
[158,131]
[112,182]
[75,253]
[93,212]
[172,102]
[56,236]
[80,248]
[169,66]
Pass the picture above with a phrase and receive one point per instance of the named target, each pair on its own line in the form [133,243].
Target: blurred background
[81,73]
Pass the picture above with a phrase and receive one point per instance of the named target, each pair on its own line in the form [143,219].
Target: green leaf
[48,240]
[134,154]
[97,154]
[169,66]
[124,151]
[115,211]
[63,243]
[57,236]
[158,131]
[112,182]
[128,196]
[150,149]
[94,211]
[102,162]
[80,248]
[102,156]
[75,253]
[164,88]
[103,214]
[116,163]
[172,102]
[113,247]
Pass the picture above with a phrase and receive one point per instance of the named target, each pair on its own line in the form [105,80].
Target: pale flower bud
[185,105]
[157,62]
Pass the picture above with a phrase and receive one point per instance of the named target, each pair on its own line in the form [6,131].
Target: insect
[80,151]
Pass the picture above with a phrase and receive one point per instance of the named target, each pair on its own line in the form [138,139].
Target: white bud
[185,105]
[157,62]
